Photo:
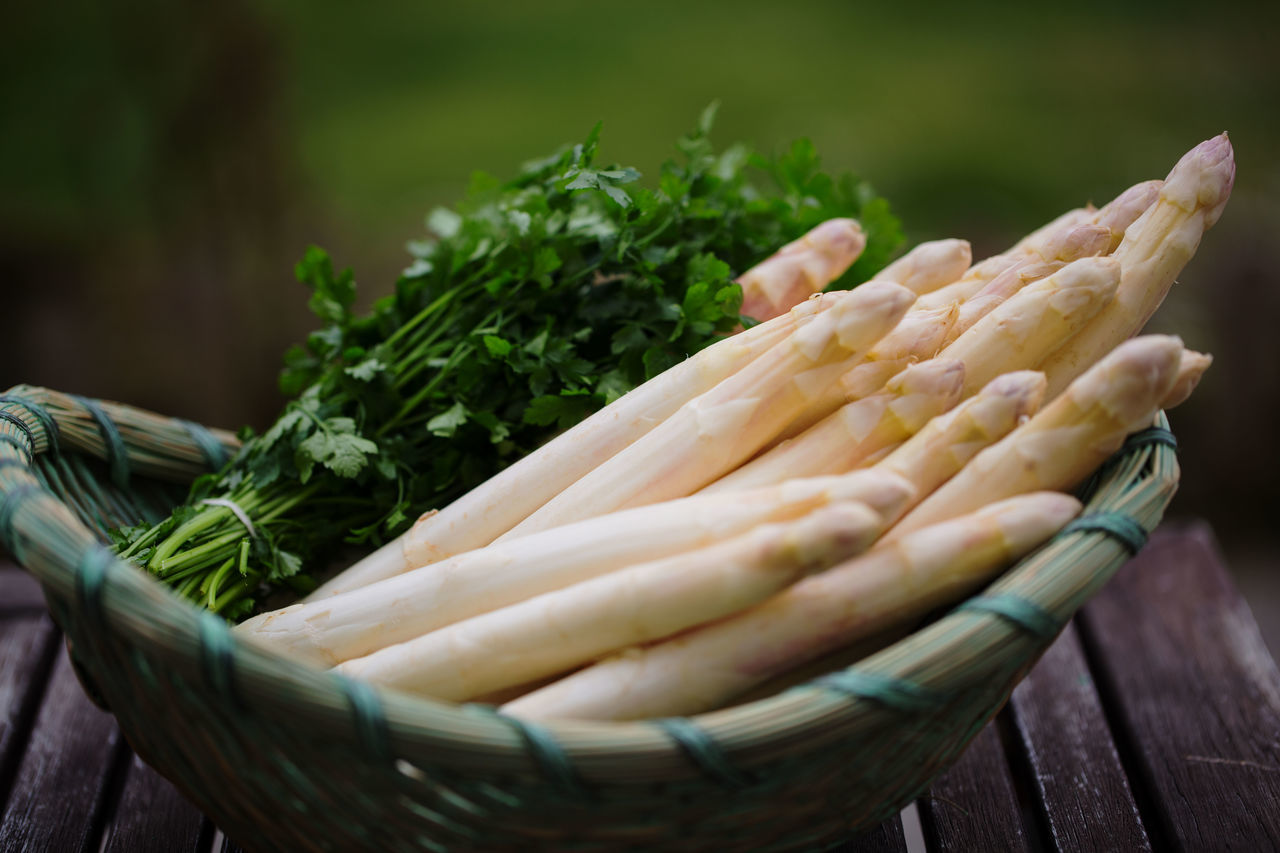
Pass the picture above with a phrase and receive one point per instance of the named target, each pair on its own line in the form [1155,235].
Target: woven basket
[286,756]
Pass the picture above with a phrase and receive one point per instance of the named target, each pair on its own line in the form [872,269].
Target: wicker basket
[285,756]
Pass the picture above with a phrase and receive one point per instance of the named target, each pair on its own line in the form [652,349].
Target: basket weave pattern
[290,757]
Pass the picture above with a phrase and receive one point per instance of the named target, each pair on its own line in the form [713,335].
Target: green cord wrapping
[21,425]
[896,693]
[41,414]
[545,750]
[117,454]
[370,721]
[1030,617]
[96,564]
[217,655]
[18,443]
[215,455]
[1118,526]
[704,751]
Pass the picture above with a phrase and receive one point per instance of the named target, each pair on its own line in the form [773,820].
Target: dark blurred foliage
[163,165]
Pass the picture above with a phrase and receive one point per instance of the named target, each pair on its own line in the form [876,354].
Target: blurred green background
[163,165]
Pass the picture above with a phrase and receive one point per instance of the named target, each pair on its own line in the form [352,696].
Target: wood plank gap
[1035,820]
[973,805]
[1140,782]
[1085,795]
[13,746]
[210,836]
[108,799]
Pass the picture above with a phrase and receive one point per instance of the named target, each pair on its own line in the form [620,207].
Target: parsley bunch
[537,301]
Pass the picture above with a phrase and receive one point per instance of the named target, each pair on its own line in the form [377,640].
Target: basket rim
[901,679]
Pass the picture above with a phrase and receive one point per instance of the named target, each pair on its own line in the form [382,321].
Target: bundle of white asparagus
[843,468]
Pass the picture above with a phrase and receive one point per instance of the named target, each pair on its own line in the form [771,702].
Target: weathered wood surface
[1071,758]
[152,815]
[1154,725]
[974,805]
[1194,693]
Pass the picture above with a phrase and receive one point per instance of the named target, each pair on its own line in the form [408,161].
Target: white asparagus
[502,501]
[1047,244]
[1155,249]
[947,443]
[1066,221]
[861,380]
[709,666]
[397,609]
[1121,212]
[801,268]
[1023,331]
[566,628]
[847,437]
[1086,241]
[929,265]
[1190,370]
[918,336]
[715,432]
[1067,439]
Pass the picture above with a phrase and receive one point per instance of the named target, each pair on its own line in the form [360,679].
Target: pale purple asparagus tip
[1220,156]
[1204,177]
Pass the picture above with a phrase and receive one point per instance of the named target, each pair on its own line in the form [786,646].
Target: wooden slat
[28,640]
[152,817]
[1083,793]
[885,838]
[58,791]
[19,592]
[974,805]
[1194,693]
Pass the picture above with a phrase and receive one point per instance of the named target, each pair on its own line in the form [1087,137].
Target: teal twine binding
[41,414]
[117,457]
[896,693]
[91,576]
[1030,617]
[20,445]
[703,750]
[215,455]
[21,425]
[1118,526]
[370,721]
[1136,442]
[1149,437]
[9,502]
[217,655]
[545,750]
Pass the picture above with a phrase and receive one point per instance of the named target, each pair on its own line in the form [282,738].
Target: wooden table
[1152,724]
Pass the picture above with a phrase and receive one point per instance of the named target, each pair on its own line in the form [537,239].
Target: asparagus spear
[1027,328]
[1190,369]
[1085,241]
[929,265]
[1052,241]
[715,432]
[1121,212]
[1067,439]
[847,437]
[1155,249]
[947,443]
[704,668]
[566,628]
[397,609]
[918,336]
[801,268]
[1066,221]
[502,501]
